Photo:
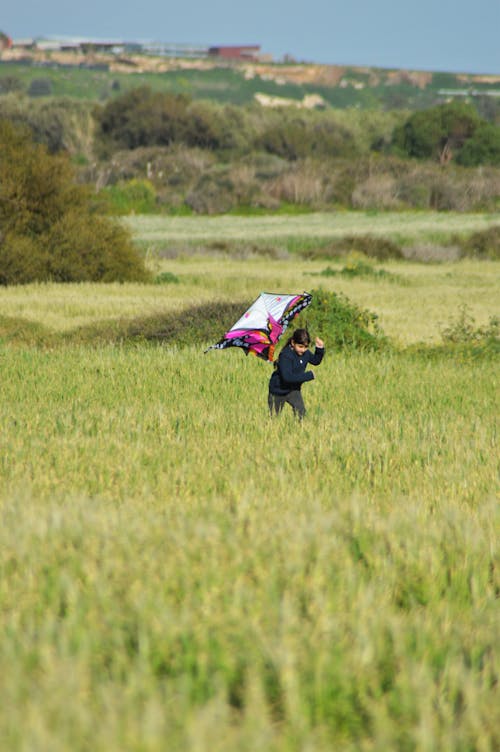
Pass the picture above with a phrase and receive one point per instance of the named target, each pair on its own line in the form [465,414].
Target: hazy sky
[442,35]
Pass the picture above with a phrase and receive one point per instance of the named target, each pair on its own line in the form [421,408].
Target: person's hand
[319,342]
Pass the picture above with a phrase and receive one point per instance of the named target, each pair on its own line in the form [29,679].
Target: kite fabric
[261,326]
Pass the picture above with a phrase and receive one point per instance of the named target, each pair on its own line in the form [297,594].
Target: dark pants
[276,403]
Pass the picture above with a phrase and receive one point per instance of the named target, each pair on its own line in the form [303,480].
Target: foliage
[46,220]
[294,137]
[484,244]
[143,117]
[40,87]
[189,325]
[166,278]
[463,329]
[482,148]
[61,124]
[437,133]
[213,193]
[215,183]
[373,246]
[136,196]
[359,268]
[206,142]
[342,323]
[10,84]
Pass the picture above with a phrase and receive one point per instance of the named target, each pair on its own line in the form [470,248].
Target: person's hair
[300,337]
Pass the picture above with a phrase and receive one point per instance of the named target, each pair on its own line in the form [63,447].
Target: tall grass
[404,227]
[178,571]
[413,304]
[181,572]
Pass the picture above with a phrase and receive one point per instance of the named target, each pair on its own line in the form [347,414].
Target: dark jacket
[290,370]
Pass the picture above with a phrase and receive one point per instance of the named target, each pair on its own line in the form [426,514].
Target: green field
[404,227]
[180,572]
[229,83]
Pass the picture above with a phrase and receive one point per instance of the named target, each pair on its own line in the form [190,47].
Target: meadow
[180,572]
[405,227]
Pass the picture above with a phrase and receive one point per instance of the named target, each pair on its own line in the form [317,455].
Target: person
[290,373]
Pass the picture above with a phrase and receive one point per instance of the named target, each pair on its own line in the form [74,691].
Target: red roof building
[5,41]
[240,52]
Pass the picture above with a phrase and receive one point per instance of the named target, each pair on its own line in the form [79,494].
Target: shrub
[286,139]
[48,228]
[294,137]
[378,192]
[213,194]
[360,269]
[133,196]
[437,132]
[370,245]
[10,83]
[463,329]
[482,148]
[142,117]
[61,124]
[199,325]
[342,323]
[432,252]
[484,244]
[40,87]
[167,278]
[84,248]
[21,260]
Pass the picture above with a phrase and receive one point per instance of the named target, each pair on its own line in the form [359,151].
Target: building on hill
[90,46]
[5,41]
[240,52]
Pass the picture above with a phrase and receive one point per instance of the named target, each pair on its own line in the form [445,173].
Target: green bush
[292,138]
[21,260]
[437,133]
[342,323]
[213,194]
[143,117]
[484,244]
[61,124]
[167,278]
[482,148]
[463,329]
[131,197]
[40,87]
[84,248]
[48,228]
[10,83]
[372,246]
[359,269]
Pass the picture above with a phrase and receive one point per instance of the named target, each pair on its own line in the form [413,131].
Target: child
[290,372]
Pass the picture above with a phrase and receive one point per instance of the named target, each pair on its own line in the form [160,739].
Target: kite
[261,326]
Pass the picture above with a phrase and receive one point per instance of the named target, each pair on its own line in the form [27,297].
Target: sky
[437,35]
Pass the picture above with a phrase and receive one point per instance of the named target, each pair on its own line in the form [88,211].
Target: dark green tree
[142,117]
[482,148]
[48,229]
[438,133]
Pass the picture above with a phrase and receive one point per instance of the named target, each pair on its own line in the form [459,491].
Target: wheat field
[402,226]
[180,572]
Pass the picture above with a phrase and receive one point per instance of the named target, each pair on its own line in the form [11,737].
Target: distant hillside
[99,76]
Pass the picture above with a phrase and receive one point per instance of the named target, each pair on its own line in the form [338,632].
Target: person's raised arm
[317,355]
